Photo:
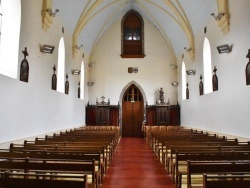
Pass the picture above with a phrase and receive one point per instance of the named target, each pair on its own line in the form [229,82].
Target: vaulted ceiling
[177,20]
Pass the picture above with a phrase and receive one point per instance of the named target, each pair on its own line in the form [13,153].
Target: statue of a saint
[161,95]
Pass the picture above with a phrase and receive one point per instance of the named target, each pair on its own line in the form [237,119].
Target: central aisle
[134,165]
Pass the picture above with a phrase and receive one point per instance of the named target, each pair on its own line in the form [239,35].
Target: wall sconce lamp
[52,14]
[76,72]
[47,49]
[225,48]
[218,17]
[90,83]
[191,72]
[174,83]
[91,64]
[173,66]
[78,47]
[188,49]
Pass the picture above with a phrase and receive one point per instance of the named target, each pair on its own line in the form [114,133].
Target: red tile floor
[134,165]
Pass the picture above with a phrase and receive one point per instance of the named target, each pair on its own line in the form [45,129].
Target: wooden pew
[164,152]
[77,138]
[218,167]
[226,181]
[106,155]
[93,134]
[18,180]
[108,146]
[100,165]
[173,149]
[179,166]
[163,141]
[159,137]
[77,142]
[42,166]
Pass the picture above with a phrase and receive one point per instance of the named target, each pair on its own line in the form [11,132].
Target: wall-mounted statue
[67,85]
[24,68]
[201,85]
[54,79]
[187,91]
[79,90]
[161,95]
[215,80]
[161,98]
[248,69]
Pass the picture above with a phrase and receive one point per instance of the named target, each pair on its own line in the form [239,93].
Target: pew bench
[53,166]
[100,164]
[179,165]
[170,154]
[226,181]
[109,148]
[19,180]
[195,170]
[106,154]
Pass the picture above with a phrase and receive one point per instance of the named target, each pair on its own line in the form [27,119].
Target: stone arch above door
[122,94]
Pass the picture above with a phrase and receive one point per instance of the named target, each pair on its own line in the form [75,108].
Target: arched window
[184,80]
[10,33]
[207,65]
[82,81]
[132,35]
[61,67]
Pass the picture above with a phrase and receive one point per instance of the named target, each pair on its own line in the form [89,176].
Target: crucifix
[25,53]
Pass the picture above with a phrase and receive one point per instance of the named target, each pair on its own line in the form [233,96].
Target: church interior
[123,63]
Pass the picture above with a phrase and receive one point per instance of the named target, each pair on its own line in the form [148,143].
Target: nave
[136,165]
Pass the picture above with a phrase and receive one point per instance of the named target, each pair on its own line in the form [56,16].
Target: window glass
[207,65]
[61,67]
[10,33]
[82,81]
[184,80]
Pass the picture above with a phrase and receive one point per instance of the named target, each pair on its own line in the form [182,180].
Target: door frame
[121,99]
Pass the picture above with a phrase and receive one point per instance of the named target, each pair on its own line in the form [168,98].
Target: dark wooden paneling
[175,115]
[132,118]
[127,118]
[163,115]
[150,115]
[137,118]
[90,115]
[102,115]
[114,116]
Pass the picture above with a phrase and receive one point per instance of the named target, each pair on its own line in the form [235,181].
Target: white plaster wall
[226,110]
[30,109]
[110,72]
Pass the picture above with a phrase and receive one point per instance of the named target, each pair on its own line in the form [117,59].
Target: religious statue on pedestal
[161,95]
[161,99]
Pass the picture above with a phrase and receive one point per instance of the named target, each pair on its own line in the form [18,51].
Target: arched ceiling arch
[177,20]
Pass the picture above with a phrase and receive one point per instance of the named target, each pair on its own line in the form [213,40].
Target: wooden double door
[132,112]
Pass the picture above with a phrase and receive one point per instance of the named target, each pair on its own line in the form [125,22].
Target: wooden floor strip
[135,165]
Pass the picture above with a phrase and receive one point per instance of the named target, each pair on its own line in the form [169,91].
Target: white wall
[226,110]
[110,72]
[30,109]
